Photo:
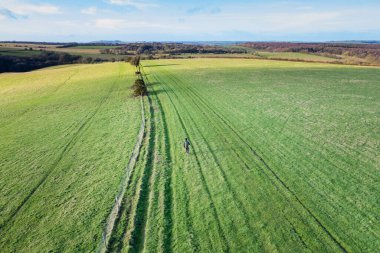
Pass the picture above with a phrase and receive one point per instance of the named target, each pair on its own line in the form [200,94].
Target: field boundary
[111,219]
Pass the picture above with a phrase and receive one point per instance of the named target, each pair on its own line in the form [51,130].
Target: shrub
[139,88]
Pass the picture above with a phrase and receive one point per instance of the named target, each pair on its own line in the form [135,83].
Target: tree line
[27,63]
[153,48]
[370,52]
[46,59]
[139,87]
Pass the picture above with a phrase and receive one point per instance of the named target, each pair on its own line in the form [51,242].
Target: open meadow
[284,157]
[66,135]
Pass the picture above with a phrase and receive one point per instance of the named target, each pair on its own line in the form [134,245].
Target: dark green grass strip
[138,234]
[227,182]
[202,177]
[168,195]
[182,186]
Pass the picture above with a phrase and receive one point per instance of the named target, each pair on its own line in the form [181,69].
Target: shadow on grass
[160,65]
[156,91]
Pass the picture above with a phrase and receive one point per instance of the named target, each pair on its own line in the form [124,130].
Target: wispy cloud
[203,10]
[15,9]
[133,3]
[89,11]
[5,14]
[194,10]
[186,20]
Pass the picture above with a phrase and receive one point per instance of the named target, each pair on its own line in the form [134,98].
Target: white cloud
[89,11]
[248,19]
[24,9]
[133,3]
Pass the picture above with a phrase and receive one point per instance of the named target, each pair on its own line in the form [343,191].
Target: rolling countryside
[284,157]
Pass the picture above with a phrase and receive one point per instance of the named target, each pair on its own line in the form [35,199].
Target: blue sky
[157,20]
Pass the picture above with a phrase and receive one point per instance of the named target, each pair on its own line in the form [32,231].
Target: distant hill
[110,42]
[357,41]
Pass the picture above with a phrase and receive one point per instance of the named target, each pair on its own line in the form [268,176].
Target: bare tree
[135,61]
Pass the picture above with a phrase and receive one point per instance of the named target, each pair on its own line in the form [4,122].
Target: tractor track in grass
[168,193]
[149,190]
[306,141]
[128,207]
[278,179]
[137,237]
[150,179]
[322,149]
[240,203]
[333,203]
[288,155]
[116,243]
[120,205]
[234,195]
[146,190]
[241,206]
[267,167]
[202,177]
[344,148]
[297,234]
[67,147]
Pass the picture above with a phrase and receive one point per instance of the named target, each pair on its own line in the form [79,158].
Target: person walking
[186,145]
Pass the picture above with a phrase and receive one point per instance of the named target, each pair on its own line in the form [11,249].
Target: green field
[95,47]
[284,157]
[18,49]
[18,52]
[295,56]
[66,135]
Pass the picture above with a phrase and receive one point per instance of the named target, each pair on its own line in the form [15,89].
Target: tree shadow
[152,83]
[159,65]
[157,91]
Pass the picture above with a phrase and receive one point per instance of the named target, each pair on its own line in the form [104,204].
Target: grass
[96,47]
[283,158]
[66,135]
[77,51]
[17,49]
[17,52]
[295,56]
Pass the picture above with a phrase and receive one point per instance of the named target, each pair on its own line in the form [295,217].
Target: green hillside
[66,135]
[283,157]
